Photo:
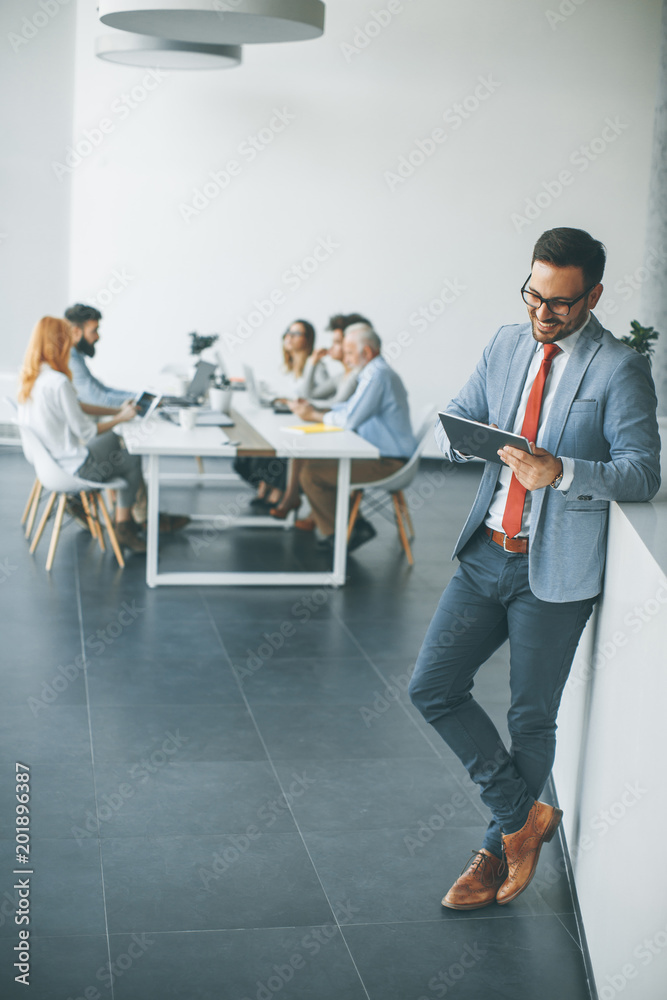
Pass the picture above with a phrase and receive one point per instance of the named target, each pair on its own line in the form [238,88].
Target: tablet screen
[143,403]
[472,438]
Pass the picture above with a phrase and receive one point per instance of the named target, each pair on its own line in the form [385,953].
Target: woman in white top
[48,405]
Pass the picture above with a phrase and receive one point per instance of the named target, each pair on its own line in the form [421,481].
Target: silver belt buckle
[505,543]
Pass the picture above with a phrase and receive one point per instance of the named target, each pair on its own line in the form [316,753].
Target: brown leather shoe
[522,849]
[126,533]
[478,883]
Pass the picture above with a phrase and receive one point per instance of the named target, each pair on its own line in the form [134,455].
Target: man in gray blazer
[532,551]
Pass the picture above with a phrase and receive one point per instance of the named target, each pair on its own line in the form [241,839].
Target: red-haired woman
[50,408]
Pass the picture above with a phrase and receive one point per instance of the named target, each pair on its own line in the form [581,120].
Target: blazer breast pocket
[583,407]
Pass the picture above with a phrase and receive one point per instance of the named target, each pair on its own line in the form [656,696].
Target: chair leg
[401,529]
[354,511]
[92,527]
[200,464]
[30,500]
[406,514]
[42,523]
[88,500]
[34,509]
[93,499]
[110,531]
[55,534]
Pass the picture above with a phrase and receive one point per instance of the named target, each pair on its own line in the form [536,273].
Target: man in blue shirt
[378,411]
[85,321]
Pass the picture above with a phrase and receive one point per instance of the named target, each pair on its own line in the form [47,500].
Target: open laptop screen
[201,379]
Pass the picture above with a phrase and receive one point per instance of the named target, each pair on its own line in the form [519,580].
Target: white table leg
[342,514]
[153,519]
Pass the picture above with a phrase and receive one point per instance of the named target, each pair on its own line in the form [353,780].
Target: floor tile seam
[289,803]
[36,936]
[413,721]
[189,838]
[165,704]
[315,702]
[389,828]
[303,831]
[559,915]
[270,759]
[214,930]
[100,857]
[452,916]
[307,830]
[315,656]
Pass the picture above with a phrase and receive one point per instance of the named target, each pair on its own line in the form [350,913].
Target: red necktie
[516,496]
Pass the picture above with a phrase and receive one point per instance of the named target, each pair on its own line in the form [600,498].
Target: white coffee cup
[187,417]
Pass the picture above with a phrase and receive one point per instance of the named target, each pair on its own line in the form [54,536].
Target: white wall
[36,83]
[610,762]
[554,84]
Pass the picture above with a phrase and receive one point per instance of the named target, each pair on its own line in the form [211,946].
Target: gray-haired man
[378,411]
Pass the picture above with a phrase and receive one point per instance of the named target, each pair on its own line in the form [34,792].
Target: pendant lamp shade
[163,53]
[223,22]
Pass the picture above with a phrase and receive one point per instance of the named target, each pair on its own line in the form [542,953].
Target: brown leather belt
[509,544]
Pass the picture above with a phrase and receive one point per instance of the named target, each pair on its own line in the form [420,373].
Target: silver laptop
[256,397]
[198,387]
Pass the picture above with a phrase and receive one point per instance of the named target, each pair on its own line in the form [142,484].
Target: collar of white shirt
[568,344]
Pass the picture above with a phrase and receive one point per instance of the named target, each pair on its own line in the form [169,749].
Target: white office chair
[53,477]
[395,484]
[35,494]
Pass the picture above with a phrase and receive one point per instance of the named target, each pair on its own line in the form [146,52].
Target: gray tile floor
[232,798]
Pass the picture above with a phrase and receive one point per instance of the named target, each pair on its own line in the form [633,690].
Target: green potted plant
[642,339]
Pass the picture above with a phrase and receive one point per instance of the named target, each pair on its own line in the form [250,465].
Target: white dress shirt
[496,511]
[53,412]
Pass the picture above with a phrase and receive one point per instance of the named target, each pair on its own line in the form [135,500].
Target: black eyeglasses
[559,307]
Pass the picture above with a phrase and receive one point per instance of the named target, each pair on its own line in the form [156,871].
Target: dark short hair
[78,314]
[341,321]
[337,322]
[572,248]
[352,318]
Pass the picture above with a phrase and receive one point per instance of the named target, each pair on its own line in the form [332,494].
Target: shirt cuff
[329,418]
[568,474]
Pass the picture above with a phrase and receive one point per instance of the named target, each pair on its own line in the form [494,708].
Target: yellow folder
[312,429]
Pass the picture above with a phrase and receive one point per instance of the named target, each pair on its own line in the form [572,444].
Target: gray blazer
[603,416]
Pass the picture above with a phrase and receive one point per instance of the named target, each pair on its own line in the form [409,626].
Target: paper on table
[312,429]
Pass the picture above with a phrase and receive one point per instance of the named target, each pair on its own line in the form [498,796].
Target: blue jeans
[488,601]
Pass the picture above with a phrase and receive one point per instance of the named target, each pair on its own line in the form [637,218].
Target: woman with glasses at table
[336,389]
[302,370]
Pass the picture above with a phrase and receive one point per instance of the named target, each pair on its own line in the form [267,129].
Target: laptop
[254,394]
[198,387]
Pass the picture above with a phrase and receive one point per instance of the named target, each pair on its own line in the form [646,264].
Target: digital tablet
[145,403]
[472,438]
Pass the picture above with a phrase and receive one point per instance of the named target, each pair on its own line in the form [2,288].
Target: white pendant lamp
[162,53]
[226,22]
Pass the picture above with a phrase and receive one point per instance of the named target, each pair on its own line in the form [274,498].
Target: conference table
[257,431]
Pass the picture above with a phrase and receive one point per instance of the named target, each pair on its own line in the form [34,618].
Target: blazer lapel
[515,377]
[587,346]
